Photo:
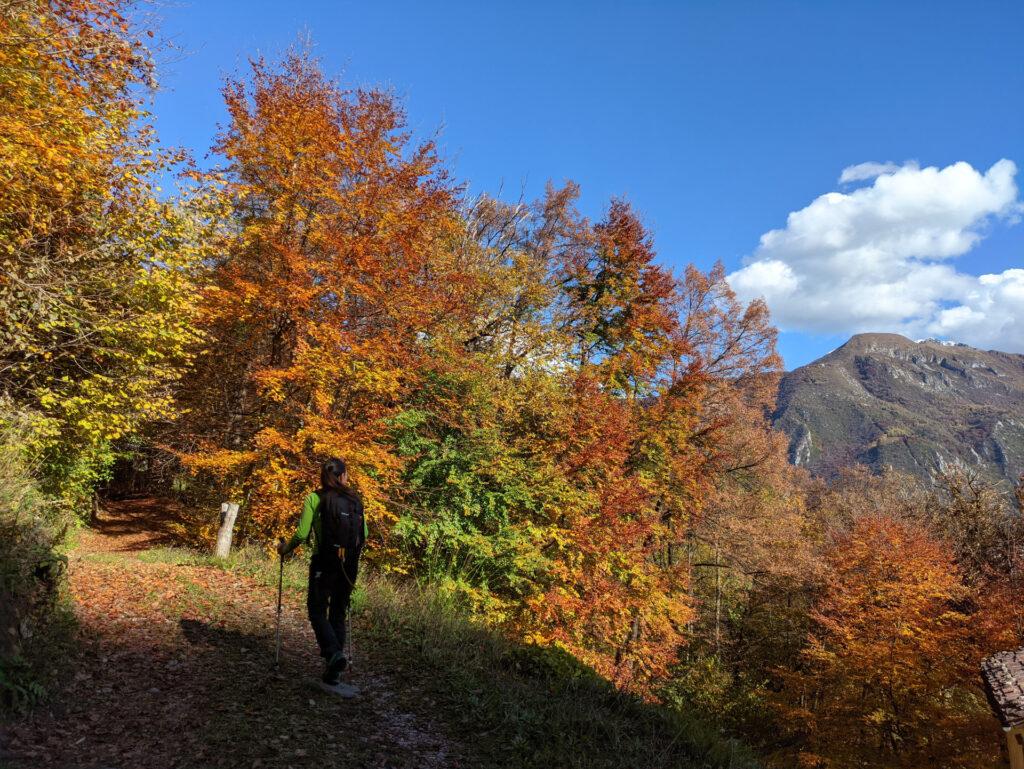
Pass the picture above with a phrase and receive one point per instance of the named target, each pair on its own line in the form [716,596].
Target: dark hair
[331,472]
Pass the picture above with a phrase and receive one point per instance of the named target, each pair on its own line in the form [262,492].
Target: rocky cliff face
[886,401]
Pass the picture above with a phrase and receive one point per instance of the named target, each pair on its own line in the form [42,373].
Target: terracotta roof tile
[1003,674]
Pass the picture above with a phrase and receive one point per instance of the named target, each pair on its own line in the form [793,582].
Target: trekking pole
[280,586]
[348,636]
[347,651]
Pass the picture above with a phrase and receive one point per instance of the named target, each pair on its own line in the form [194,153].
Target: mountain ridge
[918,407]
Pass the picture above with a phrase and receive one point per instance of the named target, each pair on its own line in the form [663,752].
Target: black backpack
[341,526]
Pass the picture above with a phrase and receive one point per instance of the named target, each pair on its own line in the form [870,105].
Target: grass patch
[529,706]
[253,562]
[175,556]
[198,599]
[259,566]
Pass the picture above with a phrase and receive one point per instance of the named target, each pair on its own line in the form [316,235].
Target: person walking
[333,516]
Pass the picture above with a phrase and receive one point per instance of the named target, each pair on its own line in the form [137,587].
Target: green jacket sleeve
[305,527]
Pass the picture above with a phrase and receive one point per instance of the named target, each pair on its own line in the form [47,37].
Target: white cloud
[864,171]
[991,316]
[878,258]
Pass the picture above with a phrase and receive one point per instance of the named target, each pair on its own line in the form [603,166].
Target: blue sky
[715,119]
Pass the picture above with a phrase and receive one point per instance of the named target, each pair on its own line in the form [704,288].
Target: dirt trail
[174,670]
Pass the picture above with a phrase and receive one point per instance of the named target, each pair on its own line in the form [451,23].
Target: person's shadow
[245,699]
[199,633]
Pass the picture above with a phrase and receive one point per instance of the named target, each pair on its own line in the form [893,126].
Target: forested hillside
[556,438]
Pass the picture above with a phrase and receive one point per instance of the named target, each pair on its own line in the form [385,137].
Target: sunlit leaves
[96,289]
[319,297]
[888,655]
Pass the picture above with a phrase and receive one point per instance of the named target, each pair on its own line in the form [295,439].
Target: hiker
[333,514]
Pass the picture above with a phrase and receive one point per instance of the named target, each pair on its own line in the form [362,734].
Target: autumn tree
[96,265]
[978,518]
[982,522]
[749,548]
[887,676]
[479,481]
[329,279]
[619,304]
[642,442]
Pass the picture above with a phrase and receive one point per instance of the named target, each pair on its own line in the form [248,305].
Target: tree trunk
[228,513]
[718,602]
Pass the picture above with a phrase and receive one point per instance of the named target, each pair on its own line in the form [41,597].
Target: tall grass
[528,706]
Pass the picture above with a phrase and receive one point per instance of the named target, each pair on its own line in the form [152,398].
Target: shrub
[32,530]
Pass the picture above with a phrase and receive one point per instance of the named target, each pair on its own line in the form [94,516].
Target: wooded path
[174,669]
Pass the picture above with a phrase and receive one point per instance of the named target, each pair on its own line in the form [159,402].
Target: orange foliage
[329,277]
[527,400]
[888,672]
[659,362]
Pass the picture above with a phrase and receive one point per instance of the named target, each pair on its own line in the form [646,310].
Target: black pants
[329,593]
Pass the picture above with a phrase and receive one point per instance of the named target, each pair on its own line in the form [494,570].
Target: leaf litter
[173,668]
